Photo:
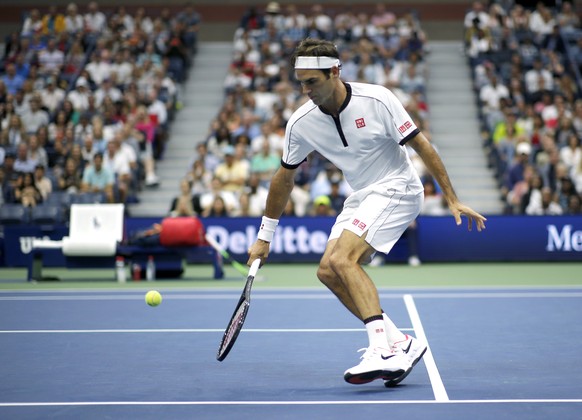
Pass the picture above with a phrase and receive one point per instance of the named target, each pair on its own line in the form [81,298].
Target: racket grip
[255,267]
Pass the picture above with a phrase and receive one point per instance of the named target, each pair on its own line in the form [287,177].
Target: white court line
[438,388]
[348,402]
[313,296]
[188,330]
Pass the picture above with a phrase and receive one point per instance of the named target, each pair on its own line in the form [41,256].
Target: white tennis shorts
[381,210]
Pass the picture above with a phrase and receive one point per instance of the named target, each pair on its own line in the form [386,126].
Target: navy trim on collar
[346,101]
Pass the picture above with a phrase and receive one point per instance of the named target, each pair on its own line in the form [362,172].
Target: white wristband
[267,229]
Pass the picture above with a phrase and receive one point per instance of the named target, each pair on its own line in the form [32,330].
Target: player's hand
[260,249]
[459,210]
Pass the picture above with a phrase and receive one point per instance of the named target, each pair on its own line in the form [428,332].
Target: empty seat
[46,214]
[13,214]
[87,198]
[59,198]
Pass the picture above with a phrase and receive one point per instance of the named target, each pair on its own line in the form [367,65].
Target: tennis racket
[238,266]
[239,315]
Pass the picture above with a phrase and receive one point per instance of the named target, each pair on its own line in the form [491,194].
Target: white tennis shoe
[377,363]
[412,349]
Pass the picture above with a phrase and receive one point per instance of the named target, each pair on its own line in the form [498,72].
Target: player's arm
[281,186]
[437,168]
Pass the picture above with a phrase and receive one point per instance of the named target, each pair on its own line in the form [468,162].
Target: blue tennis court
[494,353]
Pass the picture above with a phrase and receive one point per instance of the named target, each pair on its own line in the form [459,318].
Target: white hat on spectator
[273,7]
[81,81]
[523,148]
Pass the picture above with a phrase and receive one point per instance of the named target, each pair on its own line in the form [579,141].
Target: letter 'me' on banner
[506,238]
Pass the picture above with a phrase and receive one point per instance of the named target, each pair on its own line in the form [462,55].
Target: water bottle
[136,272]
[120,274]
[151,269]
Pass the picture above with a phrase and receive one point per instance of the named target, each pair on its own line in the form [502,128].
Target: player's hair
[312,47]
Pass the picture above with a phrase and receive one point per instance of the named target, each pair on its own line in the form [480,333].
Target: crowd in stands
[232,167]
[526,69]
[86,101]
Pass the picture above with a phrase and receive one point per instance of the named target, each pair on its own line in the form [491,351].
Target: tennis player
[362,129]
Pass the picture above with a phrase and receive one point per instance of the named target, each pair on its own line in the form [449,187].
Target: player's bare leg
[333,282]
[341,272]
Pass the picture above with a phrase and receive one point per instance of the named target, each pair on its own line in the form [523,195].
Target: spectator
[571,154]
[565,190]
[52,96]
[217,208]
[479,44]
[74,23]
[184,204]
[36,117]
[12,80]
[210,160]
[255,196]
[265,164]
[477,15]
[98,178]
[320,22]
[70,178]
[515,172]
[74,61]
[544,203]
[295,23]
[322,206]
[541,21]
[336,196]
[79,97]
[99,68]
[574,205]
[521,195]
[232,172]
[27,192]
[537,80]
[10,175]
[119,162]
[32,24]
[122,67]
[53,22]
[13,134]
[490,96]
[42,182]
[433,204]
[567,19]
[252,20]
[36,151]
[145,130]
[95,20]
[268,134]
[229,198]
[23,162]
[199,177]
[51,59]
[89,148]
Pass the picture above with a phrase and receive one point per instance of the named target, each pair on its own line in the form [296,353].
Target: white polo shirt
[365,142]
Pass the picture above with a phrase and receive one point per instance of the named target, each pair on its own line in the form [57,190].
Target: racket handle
[255,267]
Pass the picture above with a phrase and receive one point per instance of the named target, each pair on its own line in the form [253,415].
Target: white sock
[377,334]
[393,333]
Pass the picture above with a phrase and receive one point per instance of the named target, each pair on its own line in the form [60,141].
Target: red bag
[182,231]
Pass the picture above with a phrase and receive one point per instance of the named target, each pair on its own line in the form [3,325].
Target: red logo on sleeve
[360,123]
[405,127]
[360,225]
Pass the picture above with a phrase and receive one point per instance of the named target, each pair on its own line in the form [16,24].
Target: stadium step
[455,128]
[201,95]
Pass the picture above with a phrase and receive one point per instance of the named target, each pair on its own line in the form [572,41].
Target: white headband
[321,63]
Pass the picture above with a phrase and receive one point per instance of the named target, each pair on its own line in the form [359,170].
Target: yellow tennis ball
[153,298]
